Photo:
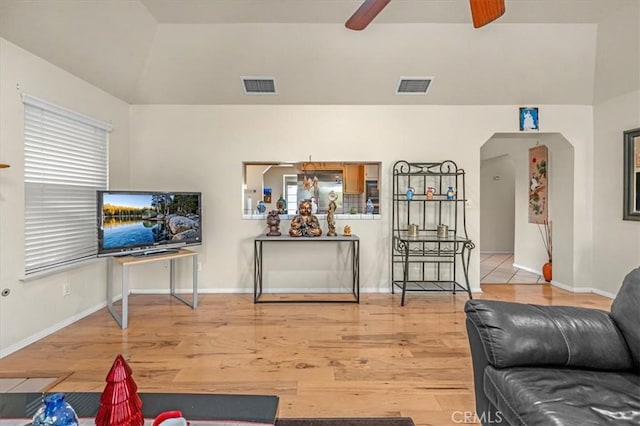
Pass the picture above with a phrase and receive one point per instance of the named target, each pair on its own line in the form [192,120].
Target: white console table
[127,261]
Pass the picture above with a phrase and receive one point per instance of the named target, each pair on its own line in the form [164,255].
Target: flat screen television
[147,222]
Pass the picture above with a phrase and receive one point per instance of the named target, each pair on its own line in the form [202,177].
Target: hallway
[499,269]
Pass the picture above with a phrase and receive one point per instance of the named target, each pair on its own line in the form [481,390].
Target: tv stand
[155,252]
[126,261]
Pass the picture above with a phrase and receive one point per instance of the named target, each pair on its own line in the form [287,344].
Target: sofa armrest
[516,334]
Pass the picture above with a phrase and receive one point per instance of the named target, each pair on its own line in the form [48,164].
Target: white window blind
[65,163]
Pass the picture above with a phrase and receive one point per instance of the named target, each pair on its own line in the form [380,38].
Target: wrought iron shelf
[429,259]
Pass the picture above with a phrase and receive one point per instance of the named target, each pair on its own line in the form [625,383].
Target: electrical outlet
[66,289]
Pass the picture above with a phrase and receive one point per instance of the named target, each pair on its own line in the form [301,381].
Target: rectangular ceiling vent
[259,85]
[413,85]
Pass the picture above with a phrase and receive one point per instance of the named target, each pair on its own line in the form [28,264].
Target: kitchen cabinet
[353,178]
[317,166]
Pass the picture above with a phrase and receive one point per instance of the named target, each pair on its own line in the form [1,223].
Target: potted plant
[545,233]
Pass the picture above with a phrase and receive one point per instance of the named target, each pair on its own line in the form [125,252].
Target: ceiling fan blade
[485,11]
[365,14]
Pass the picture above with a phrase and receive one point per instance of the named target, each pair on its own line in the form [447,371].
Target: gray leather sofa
[557,365]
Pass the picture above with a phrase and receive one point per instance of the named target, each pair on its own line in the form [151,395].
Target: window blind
[65,163]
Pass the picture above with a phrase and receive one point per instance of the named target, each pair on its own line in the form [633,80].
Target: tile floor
[23,384]
[499,269]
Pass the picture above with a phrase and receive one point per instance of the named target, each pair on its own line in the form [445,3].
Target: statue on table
[281,205]
[331,219]
[305,224]
[273,220]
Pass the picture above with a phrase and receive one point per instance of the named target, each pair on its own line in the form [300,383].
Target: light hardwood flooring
[323,360]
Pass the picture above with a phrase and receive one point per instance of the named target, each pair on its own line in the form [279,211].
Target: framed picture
[266,195]
[529,119]
[538,184]
[631,198]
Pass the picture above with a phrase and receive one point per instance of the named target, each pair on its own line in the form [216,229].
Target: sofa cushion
[625,311]
[516,334]
[550,396]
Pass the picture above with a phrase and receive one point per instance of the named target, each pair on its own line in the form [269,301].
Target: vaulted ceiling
[196,51]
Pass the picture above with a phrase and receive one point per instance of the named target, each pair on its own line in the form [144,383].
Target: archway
[528,248]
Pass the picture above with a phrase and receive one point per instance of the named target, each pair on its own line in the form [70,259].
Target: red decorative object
[120,405]
[547,272]
[170,418]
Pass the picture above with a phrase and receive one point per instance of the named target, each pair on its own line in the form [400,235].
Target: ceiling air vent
[413,86]
[259,85]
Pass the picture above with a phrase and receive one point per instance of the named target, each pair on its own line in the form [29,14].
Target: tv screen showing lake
[125,233]
[131,220]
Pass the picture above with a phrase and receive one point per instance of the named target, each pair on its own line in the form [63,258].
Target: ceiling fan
[482,12]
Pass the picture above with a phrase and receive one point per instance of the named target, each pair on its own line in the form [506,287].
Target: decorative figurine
[451,193]
[314,206]
[170,418]
[430,192]
[273,220]
[369,207]
[347,231]
[281,205]
[261,207]
[331,219]
[119,402]
[410,191]
[55,412]
[305,224]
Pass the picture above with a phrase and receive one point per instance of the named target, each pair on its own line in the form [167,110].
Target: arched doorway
[504,167]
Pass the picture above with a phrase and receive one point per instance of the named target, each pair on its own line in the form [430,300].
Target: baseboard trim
[496,252]
[50,330]
[524,268]
[250,290]
[571,289]
[577,290]
[603,293]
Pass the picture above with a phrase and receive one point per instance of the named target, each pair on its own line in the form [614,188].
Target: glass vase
[55,412]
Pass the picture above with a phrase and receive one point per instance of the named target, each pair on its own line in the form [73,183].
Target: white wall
[35,308]
[497,210]
[616,248]
[253,180]
[618,242]
[221,140]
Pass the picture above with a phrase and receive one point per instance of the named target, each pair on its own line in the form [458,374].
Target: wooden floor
[323,360]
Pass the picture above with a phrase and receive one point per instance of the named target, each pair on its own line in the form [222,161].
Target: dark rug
[348,421]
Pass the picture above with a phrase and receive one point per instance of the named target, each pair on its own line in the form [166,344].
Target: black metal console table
[260,241]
